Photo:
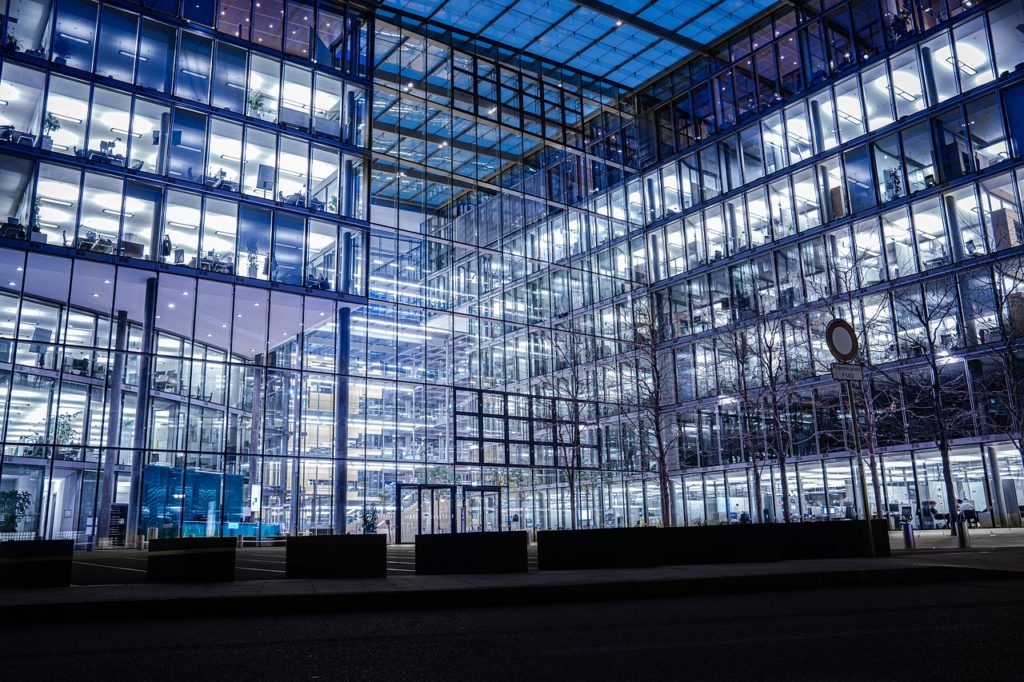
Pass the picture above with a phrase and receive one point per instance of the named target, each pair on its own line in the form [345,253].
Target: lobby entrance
[424,509]
[432,509]
[481,509]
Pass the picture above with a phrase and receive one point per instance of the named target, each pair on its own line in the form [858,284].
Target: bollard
[908,536]
[962,535]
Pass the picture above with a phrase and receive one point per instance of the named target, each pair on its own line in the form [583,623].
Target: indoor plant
[256,101]
[14,506]
[51,124]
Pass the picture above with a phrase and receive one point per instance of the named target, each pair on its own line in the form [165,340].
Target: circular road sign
[841,340]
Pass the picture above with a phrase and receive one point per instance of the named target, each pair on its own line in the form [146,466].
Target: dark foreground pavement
[938,631]
[404,590]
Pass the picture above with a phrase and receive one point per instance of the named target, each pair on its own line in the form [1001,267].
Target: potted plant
[370,518]
[34,223]
[65,434]
[257,102]
[252,248]
[11,44]
[14,505]
[51,124]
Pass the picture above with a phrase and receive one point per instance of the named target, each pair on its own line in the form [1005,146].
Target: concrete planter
[559,550]
[832,540]
[192,559]
[36,563]
[737,543]
[742,543]
[336,556]
[880,535]
[471,553]
[822,539]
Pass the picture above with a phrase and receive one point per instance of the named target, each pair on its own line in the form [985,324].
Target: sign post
[842,343]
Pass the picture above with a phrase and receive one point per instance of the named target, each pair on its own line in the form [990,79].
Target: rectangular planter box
[36,563]
[559,550]
[833,539]
[822,539]
[472,553]
[880,534]
[192,559]
[336,556]
[740,543]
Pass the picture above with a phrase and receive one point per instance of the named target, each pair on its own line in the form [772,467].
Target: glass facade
[272,265]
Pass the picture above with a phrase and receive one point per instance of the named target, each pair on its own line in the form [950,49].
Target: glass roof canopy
[429,149]
[626,42]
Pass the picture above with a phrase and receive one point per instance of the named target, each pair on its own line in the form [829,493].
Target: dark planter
[472,553]
[192,559]
[880,535]
[336,556]
[559,550]
[832,539]
[739,543]
[36,563]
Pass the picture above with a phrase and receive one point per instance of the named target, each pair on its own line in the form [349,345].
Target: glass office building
[277,267]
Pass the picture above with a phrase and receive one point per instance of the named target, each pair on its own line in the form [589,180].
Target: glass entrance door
[424,509]
[481,509]
[409,512]
[442,515]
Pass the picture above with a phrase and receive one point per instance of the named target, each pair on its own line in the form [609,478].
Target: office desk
[98,245]
[9,231]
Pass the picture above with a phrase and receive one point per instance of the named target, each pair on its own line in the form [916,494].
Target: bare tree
[1003,345]
[570,405]
[768,372]
[735,378]
[936,388]
[836,290]
[518,482]
[653,398]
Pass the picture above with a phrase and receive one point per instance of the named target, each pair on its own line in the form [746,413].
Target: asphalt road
[928,632]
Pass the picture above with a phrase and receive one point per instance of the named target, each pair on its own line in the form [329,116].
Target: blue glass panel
[116,53]
[156,49]
[76,32]
[286,261]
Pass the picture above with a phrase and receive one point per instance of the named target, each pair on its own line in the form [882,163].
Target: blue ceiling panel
[596,38]
[615,45]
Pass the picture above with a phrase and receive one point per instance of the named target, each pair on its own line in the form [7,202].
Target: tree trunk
[942,441]
[781,456]
[570,477]
[666,496]
[758,497]
[784,480]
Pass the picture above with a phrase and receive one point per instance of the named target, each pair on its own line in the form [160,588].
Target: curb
[322,603]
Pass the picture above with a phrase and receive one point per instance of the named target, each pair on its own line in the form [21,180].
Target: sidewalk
[152,600]
[981,538]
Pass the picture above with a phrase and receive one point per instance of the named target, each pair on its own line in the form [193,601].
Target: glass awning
[626,42]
